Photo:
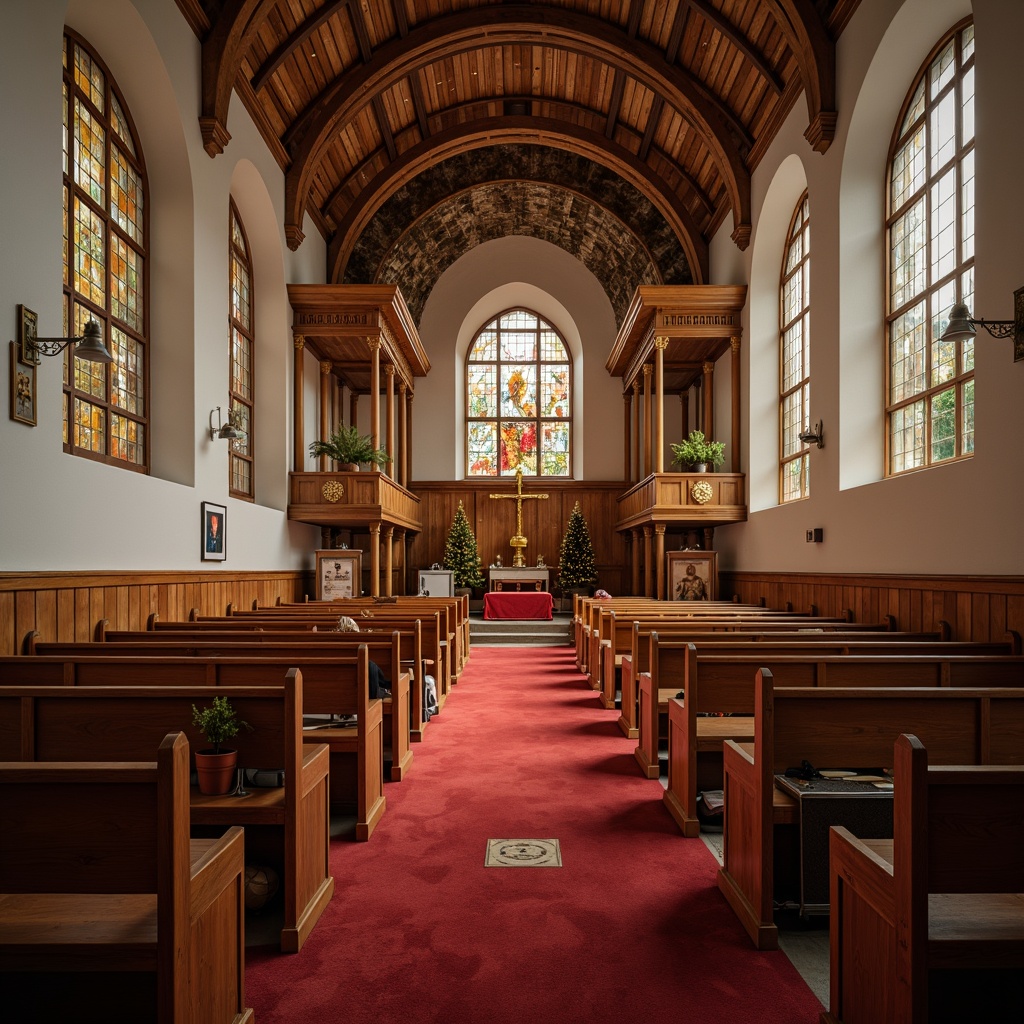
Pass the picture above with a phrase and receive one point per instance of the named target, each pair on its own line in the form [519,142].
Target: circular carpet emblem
[523,853]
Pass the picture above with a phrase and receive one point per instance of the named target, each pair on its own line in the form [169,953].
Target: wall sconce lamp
[962,325]
[814,436]
[88,346]
[225,431]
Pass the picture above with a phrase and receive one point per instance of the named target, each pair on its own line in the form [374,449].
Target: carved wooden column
[660,344]
[709,538]
[298,439]
[389,419]
[648,418]
[636,430]
[648,575]
[636,563]
[684,401]
[627,540]
[389,559]
[709,401]
[403,448]
[403,559]
[408,438]
[627,473]
[353,409]
[659,557]
[374,344]
[374,559]
[735,462]
[325,408]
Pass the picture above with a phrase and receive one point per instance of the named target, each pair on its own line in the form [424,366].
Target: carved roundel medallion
[333,491]
[701,492]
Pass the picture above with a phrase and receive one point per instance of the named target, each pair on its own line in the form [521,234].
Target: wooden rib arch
[489,131]
[517,25]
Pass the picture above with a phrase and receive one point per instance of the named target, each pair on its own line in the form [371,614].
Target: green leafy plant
[218,722]
[460,553]
[346,444]
[576,566]
[696,449]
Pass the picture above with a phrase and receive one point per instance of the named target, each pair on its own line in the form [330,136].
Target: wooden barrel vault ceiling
[624,131]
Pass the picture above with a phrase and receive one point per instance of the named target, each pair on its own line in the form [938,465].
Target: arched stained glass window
[240,329]
[518,399]
[794,350]
[930,383]
[105,266]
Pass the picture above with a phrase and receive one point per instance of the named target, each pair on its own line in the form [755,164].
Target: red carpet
[631,928]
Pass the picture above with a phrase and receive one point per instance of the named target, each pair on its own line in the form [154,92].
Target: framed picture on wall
[339,574]
[692,576]
[214,532]
[23,389]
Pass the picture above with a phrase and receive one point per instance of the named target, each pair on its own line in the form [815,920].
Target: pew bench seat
[785,810]
[101,931]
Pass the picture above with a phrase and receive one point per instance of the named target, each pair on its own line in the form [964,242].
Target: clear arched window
[105,266]
[518,398]
[794,353]
[240,331]
[930,383]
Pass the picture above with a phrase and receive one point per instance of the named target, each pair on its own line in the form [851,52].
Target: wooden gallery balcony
[352,501]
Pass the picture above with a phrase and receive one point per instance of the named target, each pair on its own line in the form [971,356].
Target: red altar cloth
[518,604]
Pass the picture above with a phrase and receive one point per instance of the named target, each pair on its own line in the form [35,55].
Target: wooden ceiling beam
[507,25]
[222,52]
[295,41]
[381,117]
[615,103]
[488,131]
[419,105]
[718,20]
[652,125]
[815,53]
[355,14]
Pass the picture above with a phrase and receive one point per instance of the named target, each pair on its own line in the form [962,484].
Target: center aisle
[631,928]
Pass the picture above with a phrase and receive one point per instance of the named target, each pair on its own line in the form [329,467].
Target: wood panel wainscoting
[544,523]
[978,608]
[66,606]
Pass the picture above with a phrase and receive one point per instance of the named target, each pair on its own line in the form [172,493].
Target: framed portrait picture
[214,532]
[692,576]
[23,388]
[339,573]
[28,331]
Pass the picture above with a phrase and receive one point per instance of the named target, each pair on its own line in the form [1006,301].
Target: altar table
[518,604]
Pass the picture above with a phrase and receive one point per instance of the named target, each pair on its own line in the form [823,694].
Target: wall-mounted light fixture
[225,431]
[962,325]
[814,436]
[89,345]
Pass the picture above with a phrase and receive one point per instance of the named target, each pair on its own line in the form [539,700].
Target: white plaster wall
[959,518]
[487,280]
[147,522]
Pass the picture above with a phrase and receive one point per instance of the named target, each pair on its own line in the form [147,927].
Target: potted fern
[347,447]
[698,453]
[215,767]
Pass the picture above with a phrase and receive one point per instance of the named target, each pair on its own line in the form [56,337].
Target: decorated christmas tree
[576,555]
[460,554]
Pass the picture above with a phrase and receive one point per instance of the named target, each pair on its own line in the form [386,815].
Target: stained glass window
[930,383]
[105,265]
[794,351]
[518,399]
[240,337]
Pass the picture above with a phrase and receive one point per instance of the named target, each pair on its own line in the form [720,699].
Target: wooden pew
[636,660]
[331,686]
[108,912]
[887,667]
[435,647]
[287,824]
[278,649]
[227,630]
[840,727]
[945,894]
[714,683]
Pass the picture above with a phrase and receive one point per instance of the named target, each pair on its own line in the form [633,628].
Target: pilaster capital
[325,367]
[661,343]
[299,342]
[735,343]
[648,370]
[708,367]
[374,344]
[389,370]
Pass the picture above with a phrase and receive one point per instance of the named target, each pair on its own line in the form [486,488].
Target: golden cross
[519,498]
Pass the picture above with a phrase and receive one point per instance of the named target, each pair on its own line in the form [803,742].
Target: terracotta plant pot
[216,772]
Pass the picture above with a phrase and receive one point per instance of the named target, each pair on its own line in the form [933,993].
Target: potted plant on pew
[348,448]
[697,452]
[215,767]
